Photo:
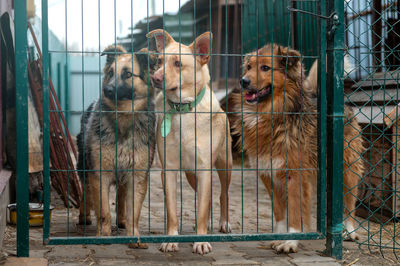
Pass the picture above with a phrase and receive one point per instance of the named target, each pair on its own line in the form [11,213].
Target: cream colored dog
[193,133]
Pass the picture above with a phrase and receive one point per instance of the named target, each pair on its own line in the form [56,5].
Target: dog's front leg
[204,189]
[169,185]
[100,186]
[134,202]
[122,199]
[299,196]
[85,206]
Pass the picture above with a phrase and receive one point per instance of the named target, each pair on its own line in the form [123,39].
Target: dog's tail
[312,78]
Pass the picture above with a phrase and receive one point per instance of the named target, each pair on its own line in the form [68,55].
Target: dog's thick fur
[281,130]
[190,144]
[114,141]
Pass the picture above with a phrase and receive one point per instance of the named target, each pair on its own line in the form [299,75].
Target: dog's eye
[159,61]
[128,74]
[177,63]
[265,68]
[248,67]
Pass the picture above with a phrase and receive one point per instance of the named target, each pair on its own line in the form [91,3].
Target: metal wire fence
[110,151]
[372,34]
[249,93]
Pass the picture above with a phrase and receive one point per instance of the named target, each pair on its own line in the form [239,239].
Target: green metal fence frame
[21,78]
[330,133]
[335,115]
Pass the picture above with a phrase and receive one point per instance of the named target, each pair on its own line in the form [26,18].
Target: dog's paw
[225,227]
[290,246]
[105,231]
[121,225]
[353,236]
[138,245]
[208,226]
[169,247]
[84,220]
[202,248]
[349,231]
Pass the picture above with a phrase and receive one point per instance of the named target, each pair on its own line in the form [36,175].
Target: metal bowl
[35,214]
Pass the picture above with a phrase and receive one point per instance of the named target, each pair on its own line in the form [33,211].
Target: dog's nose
[109,91]
[157,79]
[245,82]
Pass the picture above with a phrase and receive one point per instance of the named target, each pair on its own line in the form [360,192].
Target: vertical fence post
[335,105]
[321,189]
[21,76]
[46,136]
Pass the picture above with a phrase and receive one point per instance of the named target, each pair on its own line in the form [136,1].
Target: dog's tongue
[263,92]
[250,96]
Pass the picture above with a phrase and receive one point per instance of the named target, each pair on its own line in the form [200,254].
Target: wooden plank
[371,114]
[379,79]
[35,144]
[373,96]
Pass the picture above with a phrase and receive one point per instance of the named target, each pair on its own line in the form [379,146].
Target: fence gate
[314,28]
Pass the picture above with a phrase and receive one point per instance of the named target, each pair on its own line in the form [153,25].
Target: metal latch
[332,17]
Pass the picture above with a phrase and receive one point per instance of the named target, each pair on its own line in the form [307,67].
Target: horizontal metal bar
[182,170]
[191,112]
[182,238]
[157,53]
[86,72]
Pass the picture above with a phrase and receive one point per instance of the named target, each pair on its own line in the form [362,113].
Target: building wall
[85,74]
[6,6]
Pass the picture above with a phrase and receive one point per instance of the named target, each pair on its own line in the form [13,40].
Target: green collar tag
[178,108]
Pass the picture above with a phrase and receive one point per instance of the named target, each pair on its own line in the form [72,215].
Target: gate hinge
[333,18]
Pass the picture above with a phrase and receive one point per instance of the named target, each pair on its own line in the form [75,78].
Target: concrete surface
[242,217]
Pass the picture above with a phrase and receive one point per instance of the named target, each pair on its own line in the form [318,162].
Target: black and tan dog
[274,120]
[117,142]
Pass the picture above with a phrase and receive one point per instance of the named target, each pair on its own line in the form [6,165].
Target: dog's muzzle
[245,82]
[109,92]
[121,93]
[253,95]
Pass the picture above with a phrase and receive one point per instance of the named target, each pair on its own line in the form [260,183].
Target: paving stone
[258,251]
[309,257]
[318,263]
[119,262]
[65,264]
[39,253]
[184,256]
[276,262]
[116,251]
[234,261]
[69,252]
[227,255]
[15,261]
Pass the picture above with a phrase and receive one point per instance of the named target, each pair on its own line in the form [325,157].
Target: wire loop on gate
[331,16]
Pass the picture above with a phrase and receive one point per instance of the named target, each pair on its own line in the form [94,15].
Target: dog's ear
[202,44]
[288,57]
[146,58]
[163,39]
[112,51]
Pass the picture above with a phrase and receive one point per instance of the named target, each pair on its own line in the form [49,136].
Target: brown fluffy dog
[184,78]
[281,130]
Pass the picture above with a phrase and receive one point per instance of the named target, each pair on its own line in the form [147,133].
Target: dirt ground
[249,211]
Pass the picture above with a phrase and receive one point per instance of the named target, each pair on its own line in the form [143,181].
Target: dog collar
[178,108]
